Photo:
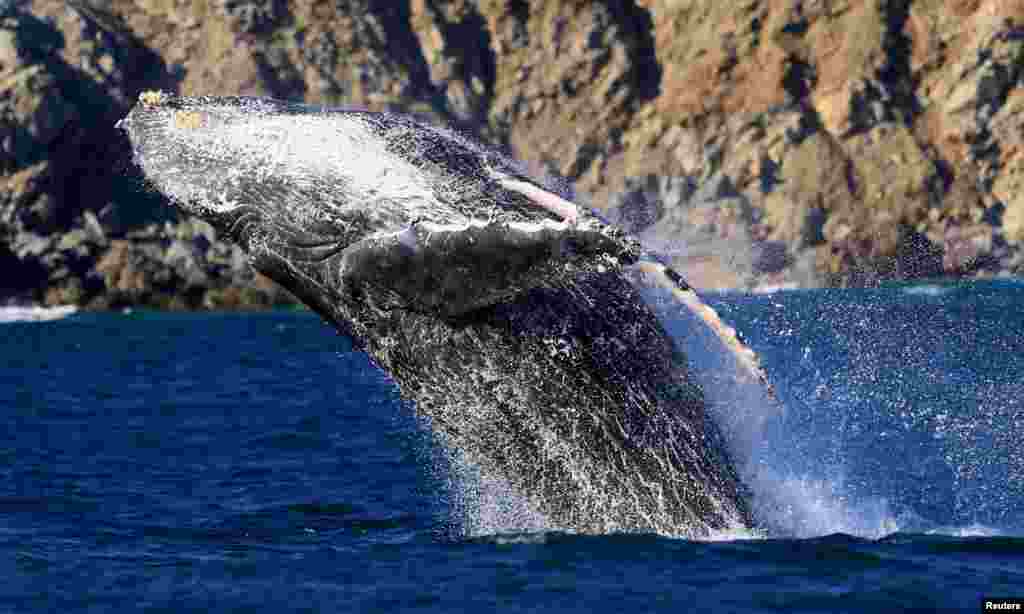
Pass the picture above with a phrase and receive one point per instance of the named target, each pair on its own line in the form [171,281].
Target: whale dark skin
[499,307]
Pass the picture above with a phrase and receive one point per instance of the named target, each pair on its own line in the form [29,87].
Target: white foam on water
[973,530]
[809,506]
[773,288]
[35,314]
[931,291]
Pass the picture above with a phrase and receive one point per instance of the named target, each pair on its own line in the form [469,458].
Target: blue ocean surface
[255,463]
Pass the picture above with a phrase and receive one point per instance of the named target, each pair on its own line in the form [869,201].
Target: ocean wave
[928,290]
[974,530]
[35,314]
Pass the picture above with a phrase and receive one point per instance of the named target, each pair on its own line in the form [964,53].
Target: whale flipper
[660,275]
[654,272]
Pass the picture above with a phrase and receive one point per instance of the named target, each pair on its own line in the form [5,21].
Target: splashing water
[481,504]
[898,410]
[787,499]
[791,497]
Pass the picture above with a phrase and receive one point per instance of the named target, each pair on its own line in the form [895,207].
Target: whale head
[337,203]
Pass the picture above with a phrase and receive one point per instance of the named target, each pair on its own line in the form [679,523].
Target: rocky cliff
[815,142]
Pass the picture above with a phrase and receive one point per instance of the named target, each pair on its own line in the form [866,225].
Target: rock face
[761,143]
[76,224]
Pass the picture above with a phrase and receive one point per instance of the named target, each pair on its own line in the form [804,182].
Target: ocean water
[254,463]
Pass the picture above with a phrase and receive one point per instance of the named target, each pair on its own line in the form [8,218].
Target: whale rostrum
[505,311]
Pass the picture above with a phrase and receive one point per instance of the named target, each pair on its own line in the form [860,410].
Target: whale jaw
[355,203]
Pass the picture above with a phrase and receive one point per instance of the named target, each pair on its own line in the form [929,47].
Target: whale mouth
[370,203]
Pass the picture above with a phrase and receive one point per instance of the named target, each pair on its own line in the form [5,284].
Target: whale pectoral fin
[541,197]
[667,278]
[452,270]
[626,250]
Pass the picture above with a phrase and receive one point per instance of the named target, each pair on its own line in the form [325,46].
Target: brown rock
[568,77]
[893,178]
[119,272]
[849,128]
[964,245]
[455,44]
[34,113]
[814,179]
[1013,218]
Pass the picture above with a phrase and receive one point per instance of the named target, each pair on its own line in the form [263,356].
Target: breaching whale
[501,308]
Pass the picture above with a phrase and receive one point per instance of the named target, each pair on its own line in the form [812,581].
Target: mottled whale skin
[499,307]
